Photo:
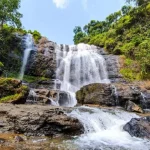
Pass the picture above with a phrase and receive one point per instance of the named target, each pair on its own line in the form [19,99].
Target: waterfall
[79,65]
[29,43]
[104,130]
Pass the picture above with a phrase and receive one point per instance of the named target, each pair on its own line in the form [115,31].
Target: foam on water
[104,129]
[79,65]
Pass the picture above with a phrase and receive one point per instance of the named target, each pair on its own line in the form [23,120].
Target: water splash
[29,47]
[79,65]
[104,130]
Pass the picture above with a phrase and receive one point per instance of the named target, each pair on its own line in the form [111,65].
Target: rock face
[12,91]
[113,68]
[128,96]
[139,127]
[45,96]
[34,120]
[43,62]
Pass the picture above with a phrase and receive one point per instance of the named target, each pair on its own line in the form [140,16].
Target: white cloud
[61,3]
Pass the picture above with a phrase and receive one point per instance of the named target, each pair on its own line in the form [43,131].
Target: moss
[14,97]
[12,90]
[31,79]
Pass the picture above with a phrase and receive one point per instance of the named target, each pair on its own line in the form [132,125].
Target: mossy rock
[12,91]
[96,93]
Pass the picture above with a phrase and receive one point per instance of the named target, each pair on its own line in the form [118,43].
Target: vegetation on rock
[125,32]
[12,90]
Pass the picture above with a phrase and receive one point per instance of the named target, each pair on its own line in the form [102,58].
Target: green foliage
[10,98]
[10,49]
[9,13]
[36,35]
[125,32]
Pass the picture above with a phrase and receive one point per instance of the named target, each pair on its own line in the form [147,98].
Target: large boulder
[12,91]
[35,120]
[139,127]
[96,94]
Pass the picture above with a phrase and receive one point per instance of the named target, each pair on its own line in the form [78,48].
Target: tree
[9,13]
[79,34]
[126,9]
[138,2]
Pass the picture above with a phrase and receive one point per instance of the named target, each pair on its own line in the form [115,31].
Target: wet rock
[128,92]
[132,107]
[35,120]
[44,96]
[113,68]
[139,127]
[116,94]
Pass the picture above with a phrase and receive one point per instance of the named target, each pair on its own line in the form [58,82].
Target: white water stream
[104,130]
[81,65]
[29,46]
[78,66]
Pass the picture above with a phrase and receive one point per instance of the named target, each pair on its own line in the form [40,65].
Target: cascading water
[78,66]
[104,130]
[29,47]
[82,65]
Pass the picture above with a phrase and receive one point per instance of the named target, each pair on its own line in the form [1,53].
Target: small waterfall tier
[29,44]
[79,65]
[104,130]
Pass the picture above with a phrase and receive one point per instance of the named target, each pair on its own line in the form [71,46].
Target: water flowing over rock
[78,66]
[43,62]
[103,130]
[139,127]
[29,46]
[51,97]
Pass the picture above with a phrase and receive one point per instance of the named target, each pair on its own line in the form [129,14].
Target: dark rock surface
[43,61]
[34,120]
[128,96]
[45,96]
[139,127]
[113,68]
[96,94]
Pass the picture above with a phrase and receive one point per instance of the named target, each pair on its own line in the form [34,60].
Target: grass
[26,78]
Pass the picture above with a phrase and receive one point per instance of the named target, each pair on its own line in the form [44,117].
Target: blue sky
[56,19]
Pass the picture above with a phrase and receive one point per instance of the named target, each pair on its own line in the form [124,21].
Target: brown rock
[130,106]
[35,120]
